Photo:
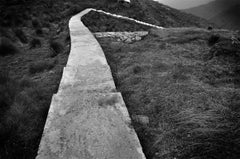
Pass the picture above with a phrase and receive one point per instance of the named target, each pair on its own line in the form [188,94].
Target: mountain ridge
[220,12]
[229,18]
[211,9]
[167,16]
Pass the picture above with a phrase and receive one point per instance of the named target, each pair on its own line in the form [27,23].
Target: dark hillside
[158,14]
[223,13]
[211,9]
[168,17]
[228,19]
[100,22]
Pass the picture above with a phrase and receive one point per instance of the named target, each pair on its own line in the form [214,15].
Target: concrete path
[87,118]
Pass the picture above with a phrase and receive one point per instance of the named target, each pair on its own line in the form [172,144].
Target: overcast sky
[183,4]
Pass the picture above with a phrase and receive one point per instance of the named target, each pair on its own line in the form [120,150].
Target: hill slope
[228,19]
[162,15]
[211,9]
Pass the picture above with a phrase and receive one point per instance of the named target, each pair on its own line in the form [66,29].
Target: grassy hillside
[100,22]
[181,87]
[34,47]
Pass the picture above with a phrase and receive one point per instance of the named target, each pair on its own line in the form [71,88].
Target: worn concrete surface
[88,78]
[87,118]
[89,125]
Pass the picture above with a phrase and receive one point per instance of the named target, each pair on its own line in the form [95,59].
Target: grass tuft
[7,91]
[21,36]
[35,43]
[56,46]
[213,39]
[39,32]
[36,23]
[40,66]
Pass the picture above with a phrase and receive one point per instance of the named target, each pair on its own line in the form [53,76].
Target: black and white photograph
[119,79]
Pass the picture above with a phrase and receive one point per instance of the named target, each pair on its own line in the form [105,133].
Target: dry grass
[32,78]
[40,66]
[21,101]
[56,46]
[99,22]
[192,101]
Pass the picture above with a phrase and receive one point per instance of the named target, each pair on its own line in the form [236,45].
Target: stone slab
[88,78]
[85,52]
[89,126]
[83,59]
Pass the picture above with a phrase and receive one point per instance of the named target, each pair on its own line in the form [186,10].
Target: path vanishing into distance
[88,118]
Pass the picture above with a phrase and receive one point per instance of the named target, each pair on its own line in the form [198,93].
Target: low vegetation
[35,42]
[29,76]
[33,76]
[56,47]
[20,101]
[40,66]
[191,100]
[100,22]
[21,36]
[7,47]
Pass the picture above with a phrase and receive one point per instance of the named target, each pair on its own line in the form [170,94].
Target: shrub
[39,31]
[7,91]
[213,40]
[35,43]
[7,47]
[36,23]
[41,66]
[210,28]
[137,69]
[22,123]
[68,38]
[225,48]
[72,10]
[21,35]
[10,18]
[56,47]
[46,24]
[7,33]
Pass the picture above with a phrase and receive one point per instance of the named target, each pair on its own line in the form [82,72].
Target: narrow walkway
[88,119]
